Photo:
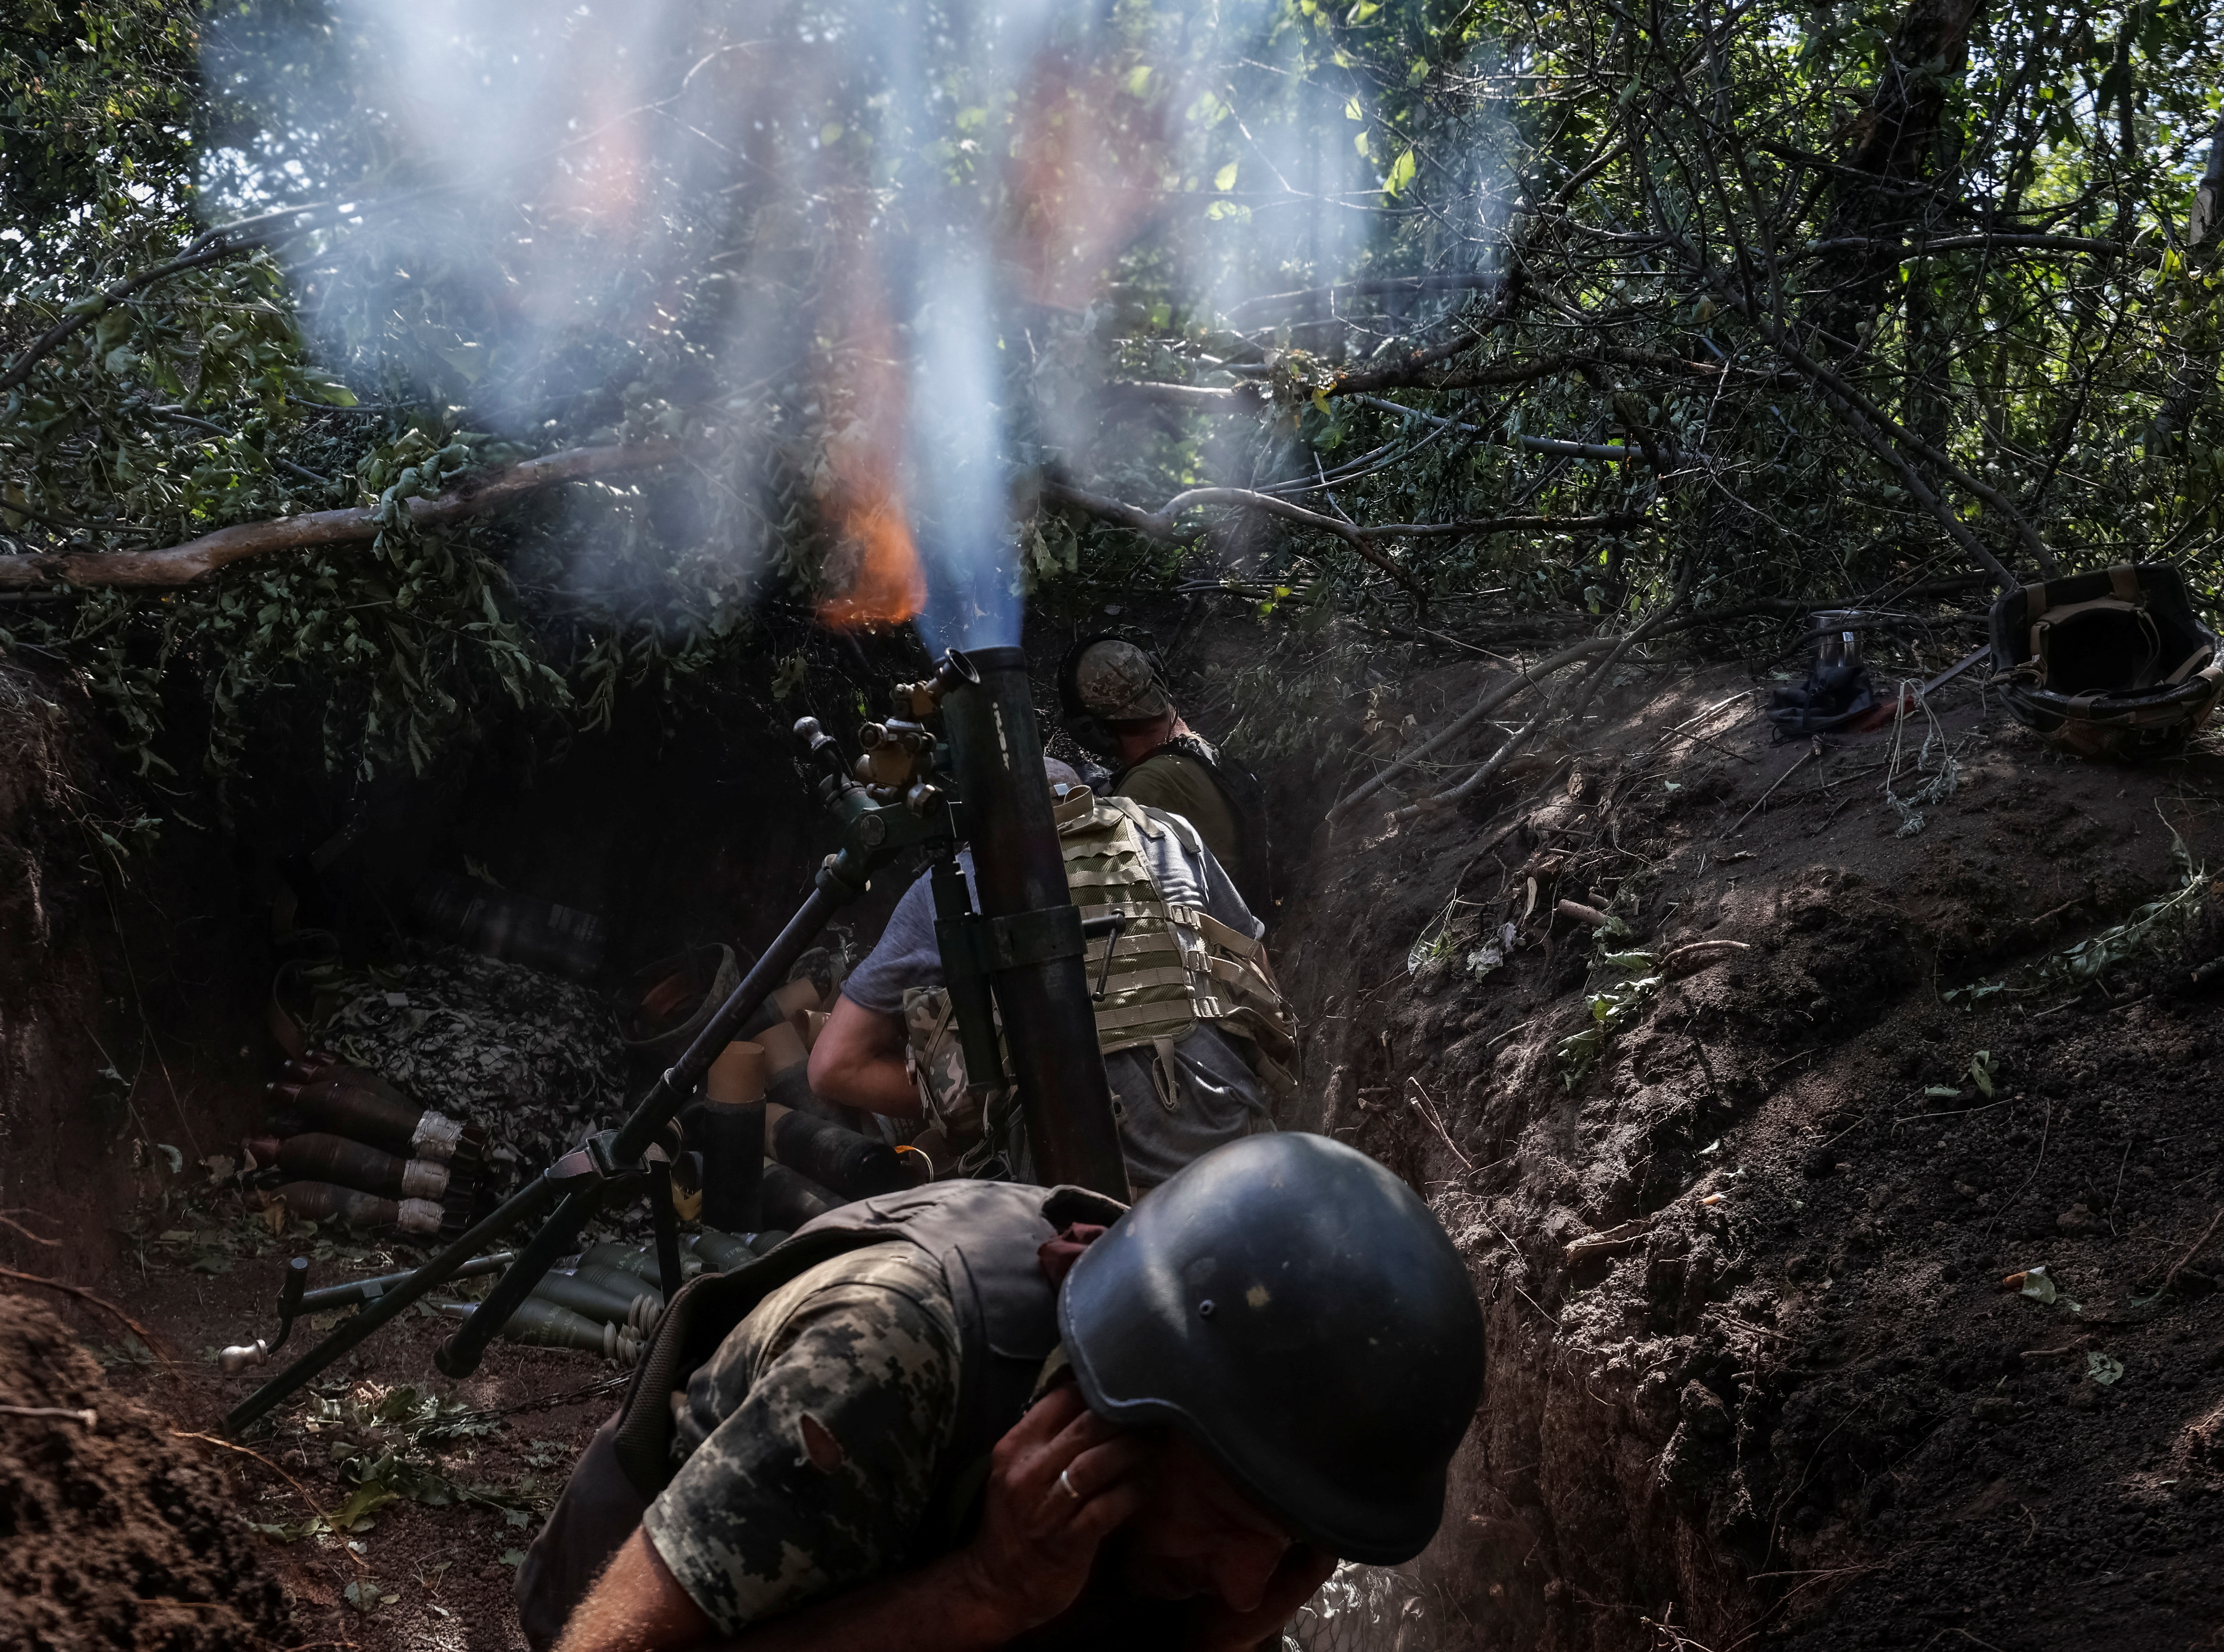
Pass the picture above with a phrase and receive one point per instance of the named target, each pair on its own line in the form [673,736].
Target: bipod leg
[667,1222]
[519,1206]
[627,1147]
[459,1355]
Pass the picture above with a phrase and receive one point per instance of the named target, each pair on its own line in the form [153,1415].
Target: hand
[1303,1570]
[1059,1482]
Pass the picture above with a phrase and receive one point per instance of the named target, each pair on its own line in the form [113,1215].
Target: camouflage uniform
[808,1447]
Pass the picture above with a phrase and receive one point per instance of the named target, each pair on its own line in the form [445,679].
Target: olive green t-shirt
[1180,784]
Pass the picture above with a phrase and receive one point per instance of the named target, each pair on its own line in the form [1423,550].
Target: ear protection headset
[1084,725]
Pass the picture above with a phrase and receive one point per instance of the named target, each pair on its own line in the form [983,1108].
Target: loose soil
[1753,1370]
[1752,1373]
[113,1533]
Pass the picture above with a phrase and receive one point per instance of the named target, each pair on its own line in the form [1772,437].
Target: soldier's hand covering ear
[1059,1483]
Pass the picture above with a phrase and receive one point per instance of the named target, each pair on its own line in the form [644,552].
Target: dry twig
[100,1302]
[91,1419]
[2206,1233]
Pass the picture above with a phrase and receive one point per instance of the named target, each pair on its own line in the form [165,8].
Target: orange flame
[875,565]
[886,585]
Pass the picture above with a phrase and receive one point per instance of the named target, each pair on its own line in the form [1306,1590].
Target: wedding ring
[1066,1485]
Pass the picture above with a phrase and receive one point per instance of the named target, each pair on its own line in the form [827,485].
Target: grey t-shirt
[1220,1097]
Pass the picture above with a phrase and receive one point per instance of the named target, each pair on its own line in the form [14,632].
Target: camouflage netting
[1361,1609]
[535,1059]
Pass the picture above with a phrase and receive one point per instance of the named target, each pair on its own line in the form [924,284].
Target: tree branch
[1374,286]
[84,313]
[1982,241]
[181,565]
[1160,524]
[1830,382]
[1491,698]
[179,415]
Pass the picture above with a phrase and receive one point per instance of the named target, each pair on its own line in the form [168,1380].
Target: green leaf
[1401,174]
[1224,180]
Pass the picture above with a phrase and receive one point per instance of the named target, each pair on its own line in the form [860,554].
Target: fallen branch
[1373,286]
[1583,914]
[181,565]
[1909,251]
[1857,411]
[100,1302]
[7,1220]
[1583,687]
[1489,701]
[84,313]
[1832,384]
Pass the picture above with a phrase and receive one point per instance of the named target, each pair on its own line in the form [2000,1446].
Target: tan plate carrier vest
[1173,967]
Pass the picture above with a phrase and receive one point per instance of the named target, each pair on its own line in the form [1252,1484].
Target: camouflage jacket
[838,1431]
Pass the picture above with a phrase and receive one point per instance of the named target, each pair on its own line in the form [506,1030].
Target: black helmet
[2113,663]
[1291,1306]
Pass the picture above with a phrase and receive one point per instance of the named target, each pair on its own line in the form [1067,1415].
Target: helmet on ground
[2113,663]
[1293,1307]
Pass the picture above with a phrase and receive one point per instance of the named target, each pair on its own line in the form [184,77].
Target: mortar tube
[1049,1023]
[459,1355]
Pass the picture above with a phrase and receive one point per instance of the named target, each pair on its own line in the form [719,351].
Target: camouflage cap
[1116,683]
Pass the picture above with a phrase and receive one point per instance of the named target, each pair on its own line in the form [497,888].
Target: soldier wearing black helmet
[1021,1418]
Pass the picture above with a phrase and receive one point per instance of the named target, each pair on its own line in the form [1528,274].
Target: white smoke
[870,213]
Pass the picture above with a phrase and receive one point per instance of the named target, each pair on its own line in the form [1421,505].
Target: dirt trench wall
[1749,1364]
[124,1017]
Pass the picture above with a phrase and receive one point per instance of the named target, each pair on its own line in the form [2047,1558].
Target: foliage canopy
[1348,309]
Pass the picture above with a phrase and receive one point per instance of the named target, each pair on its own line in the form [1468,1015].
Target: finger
[1052,1412]
[1081,1434]
[1035,1463]
[1096,1519]
[1100,1468]
[1027,1440]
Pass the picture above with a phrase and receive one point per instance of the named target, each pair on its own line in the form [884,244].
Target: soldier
[1193,1031]
[976,1414]
[1115,702]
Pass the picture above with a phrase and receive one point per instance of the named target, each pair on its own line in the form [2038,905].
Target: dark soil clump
[114,1536]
